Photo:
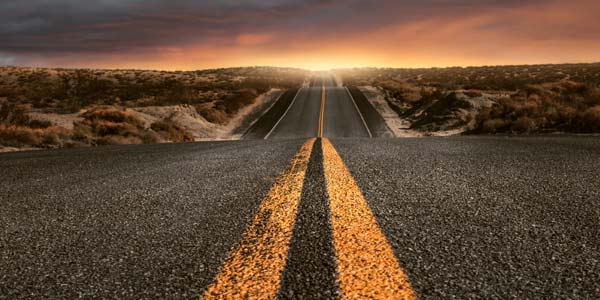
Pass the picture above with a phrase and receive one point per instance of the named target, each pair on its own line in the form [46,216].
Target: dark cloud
[55,28]
[73,26]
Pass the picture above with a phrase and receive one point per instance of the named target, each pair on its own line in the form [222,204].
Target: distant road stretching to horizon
[314,203]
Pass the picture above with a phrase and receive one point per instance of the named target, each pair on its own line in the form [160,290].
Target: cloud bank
[186,34]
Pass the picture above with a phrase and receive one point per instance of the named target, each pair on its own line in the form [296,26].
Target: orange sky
[318,34]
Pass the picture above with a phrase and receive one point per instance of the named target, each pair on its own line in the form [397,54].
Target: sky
[312,34]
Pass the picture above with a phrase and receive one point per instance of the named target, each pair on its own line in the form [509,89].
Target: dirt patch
[400,127]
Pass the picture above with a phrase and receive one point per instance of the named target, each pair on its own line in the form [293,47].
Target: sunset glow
[179,35]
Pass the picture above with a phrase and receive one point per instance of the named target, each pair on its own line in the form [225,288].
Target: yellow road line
[322,110]
[366,265]
[253,268]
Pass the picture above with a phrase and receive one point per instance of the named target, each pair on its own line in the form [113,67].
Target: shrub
[39,124]
[20,136]
[591,118]
[107,126]
[151,137]
[493,125]
[118,140]
[12,114]
[82,133]
[111,114]
[523,124]
[235,102]
[171,131]
[16,136]
[214,115]
[473,94]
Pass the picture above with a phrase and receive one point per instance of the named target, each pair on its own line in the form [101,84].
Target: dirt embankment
[53,108]
[103,125]
[530,99]
[451,114]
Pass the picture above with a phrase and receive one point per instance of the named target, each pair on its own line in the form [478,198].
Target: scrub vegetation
[52,108]
[490,100]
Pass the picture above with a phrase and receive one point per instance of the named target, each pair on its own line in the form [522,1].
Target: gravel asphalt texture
[374,121]
[487,217]
[302,118]
[263,125]
[342,118]
[128,222]
[310,271]
[466,217]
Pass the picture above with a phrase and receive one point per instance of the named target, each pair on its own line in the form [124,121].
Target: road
[342,117]
[298,217]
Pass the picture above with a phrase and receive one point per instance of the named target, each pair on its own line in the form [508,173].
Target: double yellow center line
[253,268]
[366,267]
[321,111]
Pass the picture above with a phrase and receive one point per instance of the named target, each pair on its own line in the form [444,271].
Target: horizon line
[296,68]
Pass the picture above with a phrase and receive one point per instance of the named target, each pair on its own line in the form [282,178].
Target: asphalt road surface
[301,218]
[302,118]
[487,217]
[342,117]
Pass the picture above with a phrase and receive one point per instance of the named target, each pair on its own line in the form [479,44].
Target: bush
[110,114]
[11,114]
[591,119]
[214,115]
[473,94]
[19,136]
[39,124]
[563,106]
[235,102]
[16,136]
[171,131]
[108,126]
[493,125]
[118,140]
[523,124]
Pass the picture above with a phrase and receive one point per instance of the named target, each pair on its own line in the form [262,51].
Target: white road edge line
[283,116]
[264,113]
[358,110]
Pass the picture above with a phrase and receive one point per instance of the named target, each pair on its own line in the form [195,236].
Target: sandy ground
[185,116]
[13,149]
[238,125]
[188,118]
[400,127]
[62,120]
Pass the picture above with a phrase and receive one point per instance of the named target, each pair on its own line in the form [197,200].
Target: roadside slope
[267,121]
[374,120]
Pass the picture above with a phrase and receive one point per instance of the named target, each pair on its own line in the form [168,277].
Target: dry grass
[69,90]
[20,136]
[563,106]
[107,125]
[509,99]
[105,95]
[18,130]
[169,130]
[101,125]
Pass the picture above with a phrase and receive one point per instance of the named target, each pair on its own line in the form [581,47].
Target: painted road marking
[366,265]
[254,267]
[322,110]
[284,113]
[359,113]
